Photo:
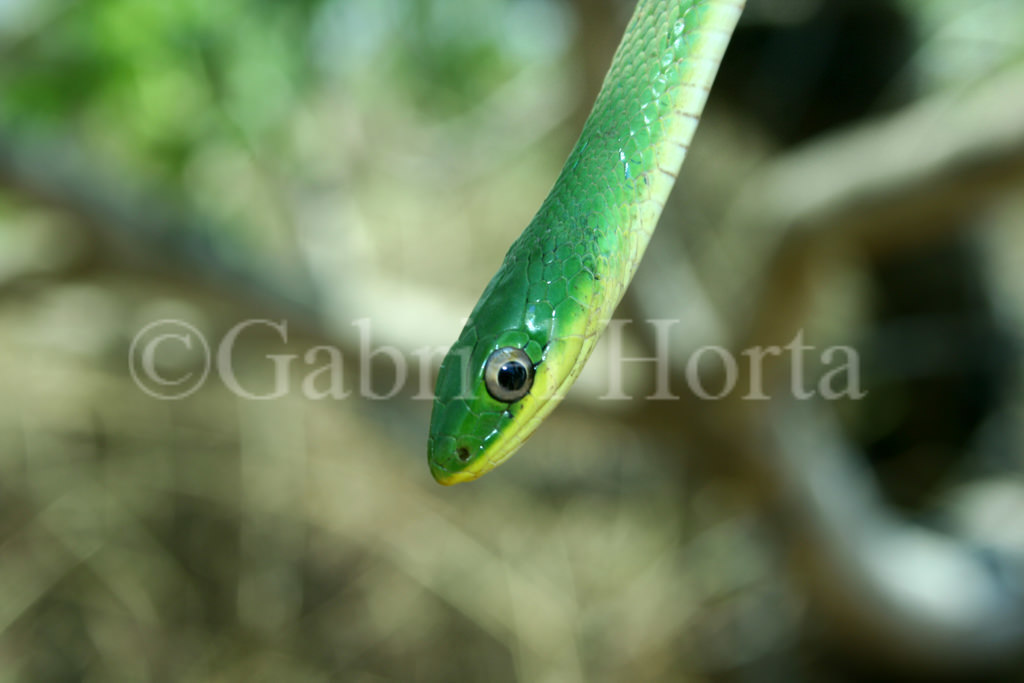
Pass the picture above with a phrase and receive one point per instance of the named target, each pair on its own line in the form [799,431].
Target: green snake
[538,320]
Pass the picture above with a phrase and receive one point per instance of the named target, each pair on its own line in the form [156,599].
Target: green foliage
[158,78]
[154,81]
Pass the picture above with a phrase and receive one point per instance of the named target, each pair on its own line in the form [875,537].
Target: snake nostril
[462,453]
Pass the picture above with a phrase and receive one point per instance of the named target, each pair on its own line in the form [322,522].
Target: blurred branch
[923,598]
[926,600]
[886,183]
[891,184]
[134,231]
[917,598]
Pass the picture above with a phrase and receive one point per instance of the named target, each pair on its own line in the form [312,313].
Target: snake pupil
[512,376]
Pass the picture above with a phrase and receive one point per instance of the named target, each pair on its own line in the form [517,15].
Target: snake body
[538,319]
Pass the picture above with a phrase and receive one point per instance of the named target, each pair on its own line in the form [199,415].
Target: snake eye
[508,374]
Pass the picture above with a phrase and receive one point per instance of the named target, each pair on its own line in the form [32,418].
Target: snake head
[513,362]
[483,385]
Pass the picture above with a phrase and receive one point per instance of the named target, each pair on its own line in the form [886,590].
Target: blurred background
[351,173]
